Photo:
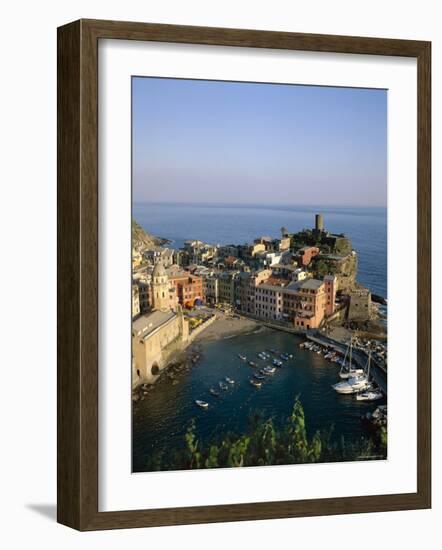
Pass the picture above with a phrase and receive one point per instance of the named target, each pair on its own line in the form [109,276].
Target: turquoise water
[366,227]
[161,420]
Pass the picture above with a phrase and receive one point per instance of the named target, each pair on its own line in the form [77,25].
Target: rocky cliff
[142,240]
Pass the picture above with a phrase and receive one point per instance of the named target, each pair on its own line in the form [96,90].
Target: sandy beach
[226,326]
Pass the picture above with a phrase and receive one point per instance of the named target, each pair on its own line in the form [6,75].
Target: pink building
[331,283]
[310,304]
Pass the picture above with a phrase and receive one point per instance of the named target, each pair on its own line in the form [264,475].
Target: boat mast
[350,364]
[343,362]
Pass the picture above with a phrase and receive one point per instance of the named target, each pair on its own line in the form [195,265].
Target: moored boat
[229,380]
[255,383]
[348,370]
[268,370]
[372,395]
[202,404]
[351,373]
[352,385]
[355,384]
[214,392]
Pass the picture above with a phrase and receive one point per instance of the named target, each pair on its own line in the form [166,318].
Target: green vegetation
[321,268]
[264,444]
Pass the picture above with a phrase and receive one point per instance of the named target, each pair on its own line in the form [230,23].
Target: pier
[378,372]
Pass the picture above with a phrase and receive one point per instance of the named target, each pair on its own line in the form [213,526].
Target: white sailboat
[349,371]
[356,383]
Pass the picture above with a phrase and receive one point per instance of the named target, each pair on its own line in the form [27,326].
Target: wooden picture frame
[78,274]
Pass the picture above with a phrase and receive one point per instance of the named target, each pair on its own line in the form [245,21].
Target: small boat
[242,357]
[223,386]
[229,380]
[252,364]
[277,363]
[202,404]
[214,392]
[369,396]
[255,383]
[259,376]
[268,371]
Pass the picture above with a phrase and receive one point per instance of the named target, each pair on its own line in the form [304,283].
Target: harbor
[378,371]
[238,375]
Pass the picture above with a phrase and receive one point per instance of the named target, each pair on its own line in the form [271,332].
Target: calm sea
[227,224]
[161,420]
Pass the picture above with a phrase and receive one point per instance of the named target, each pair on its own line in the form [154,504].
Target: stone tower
[160,288]
[319,223]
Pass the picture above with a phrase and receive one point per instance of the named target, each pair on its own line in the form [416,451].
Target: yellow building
[255,248]
[155,338]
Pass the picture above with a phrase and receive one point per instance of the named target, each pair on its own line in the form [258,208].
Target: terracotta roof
[231,259]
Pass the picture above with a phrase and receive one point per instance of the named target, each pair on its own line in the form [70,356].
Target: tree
[193,456]
[321,268]
[212,460]
[237,451]
[315,448]
[296,435]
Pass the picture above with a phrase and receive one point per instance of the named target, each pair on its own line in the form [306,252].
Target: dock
[378,372]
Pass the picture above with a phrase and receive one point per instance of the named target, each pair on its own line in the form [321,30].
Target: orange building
[189,288]
[331,286]
[310,304]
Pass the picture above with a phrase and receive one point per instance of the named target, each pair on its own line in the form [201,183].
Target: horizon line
[255,204]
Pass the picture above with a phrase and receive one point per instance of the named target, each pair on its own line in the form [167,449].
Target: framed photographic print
[243,275]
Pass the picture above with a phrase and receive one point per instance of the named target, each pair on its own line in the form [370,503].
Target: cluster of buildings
[293,279]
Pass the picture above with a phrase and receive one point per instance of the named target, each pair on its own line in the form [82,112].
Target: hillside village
[304,281]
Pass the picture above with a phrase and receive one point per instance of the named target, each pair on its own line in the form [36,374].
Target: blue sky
[234,142]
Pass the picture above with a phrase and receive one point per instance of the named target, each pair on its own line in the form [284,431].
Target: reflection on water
[161,420]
